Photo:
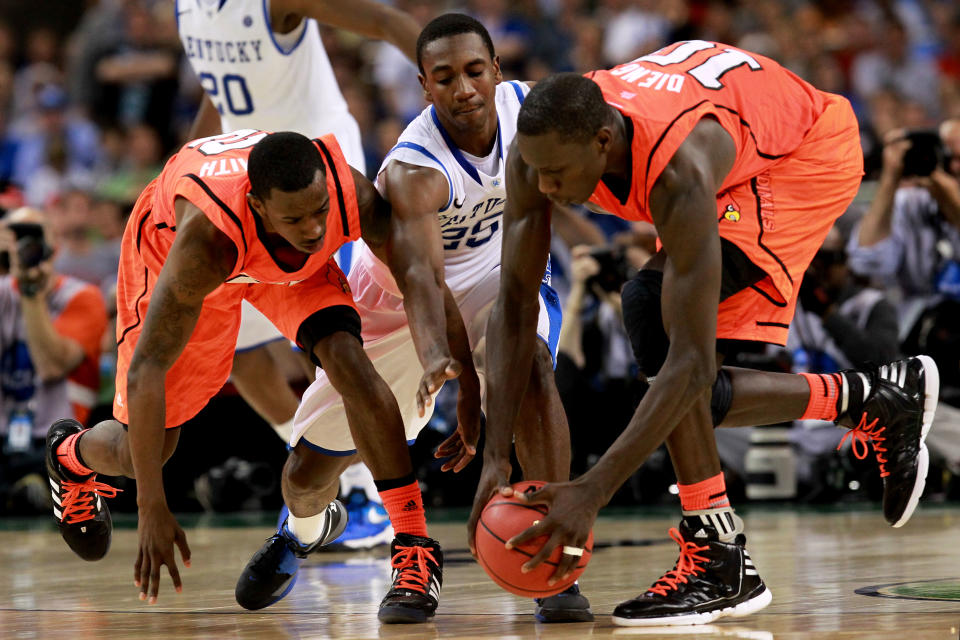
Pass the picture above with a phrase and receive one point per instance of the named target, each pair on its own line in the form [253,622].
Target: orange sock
[404,504]
[706,494]
[69,457]
[824,389]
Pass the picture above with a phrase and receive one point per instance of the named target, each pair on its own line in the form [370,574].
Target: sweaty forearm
[423,301]
[146,435]
[53,355]
[670,397]
[511,339]
[458,339]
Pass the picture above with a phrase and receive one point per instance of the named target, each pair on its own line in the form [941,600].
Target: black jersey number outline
[709,72]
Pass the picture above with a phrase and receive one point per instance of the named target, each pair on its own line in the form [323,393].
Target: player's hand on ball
[158,531]
[435,374]
[572,510]
[494,477]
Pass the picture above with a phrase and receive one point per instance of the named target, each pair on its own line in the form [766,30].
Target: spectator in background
[50,331]
[141,162]
[40,70]
[910,239]
[139,77]
[56,148]
[81,254]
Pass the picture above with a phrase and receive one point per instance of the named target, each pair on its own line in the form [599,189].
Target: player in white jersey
[444,179]
[262,65]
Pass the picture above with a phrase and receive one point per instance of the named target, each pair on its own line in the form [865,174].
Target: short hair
[451,24]
[567,104]
[286,160]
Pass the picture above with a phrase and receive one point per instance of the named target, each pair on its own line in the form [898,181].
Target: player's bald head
[286,161]
[566,104]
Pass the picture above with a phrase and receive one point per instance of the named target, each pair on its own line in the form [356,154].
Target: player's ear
[604,139]
[498,76]
[255,203]
[426,91]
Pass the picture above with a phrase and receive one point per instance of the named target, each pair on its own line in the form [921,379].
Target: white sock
[307,530]
[357,475]
[284,430]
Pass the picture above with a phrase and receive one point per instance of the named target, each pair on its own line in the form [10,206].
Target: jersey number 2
[236,95]
[709,72]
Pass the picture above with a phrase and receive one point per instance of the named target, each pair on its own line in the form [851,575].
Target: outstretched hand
[158,531]
[434,375]
[572,510]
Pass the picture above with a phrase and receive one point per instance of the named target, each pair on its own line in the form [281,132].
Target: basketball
[504,518]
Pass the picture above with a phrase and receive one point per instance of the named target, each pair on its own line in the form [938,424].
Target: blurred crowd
[91,108]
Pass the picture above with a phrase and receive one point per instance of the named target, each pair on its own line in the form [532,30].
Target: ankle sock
[68,454]
[829,396]
[404,504]
[307,530]
[706,494]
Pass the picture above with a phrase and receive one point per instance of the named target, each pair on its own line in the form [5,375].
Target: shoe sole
[564,615]
[745,608]
[402,615]
[931,396]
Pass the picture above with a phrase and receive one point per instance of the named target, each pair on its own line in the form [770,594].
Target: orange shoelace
[412,563]
[686,565]
[865,433]
[76,498]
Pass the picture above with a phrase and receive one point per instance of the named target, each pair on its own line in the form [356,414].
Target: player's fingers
[154,580]
[181,541]
[175,574]
[449,446]
[420,402]
[541,527]
[136,568]
[452,370]
[544,495]
[566,565]
[144,576]
[542,554]
[464,461]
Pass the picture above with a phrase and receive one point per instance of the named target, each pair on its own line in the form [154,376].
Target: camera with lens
[32,248]
[926,153]
[614,271]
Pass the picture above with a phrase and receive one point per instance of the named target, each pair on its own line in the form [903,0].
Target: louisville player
[264,66]
[240,216]
[683,138]
[444,180]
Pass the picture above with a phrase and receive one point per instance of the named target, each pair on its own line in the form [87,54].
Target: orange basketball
[504,518]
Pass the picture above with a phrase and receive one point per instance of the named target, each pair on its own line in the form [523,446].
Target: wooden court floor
[834,575]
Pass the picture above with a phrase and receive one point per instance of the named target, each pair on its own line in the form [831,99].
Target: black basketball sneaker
[567,606]
[272,572]
[417,577]
[711,579]
[84,519]
[892,408]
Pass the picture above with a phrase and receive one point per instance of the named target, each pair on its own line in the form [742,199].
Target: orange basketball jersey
[212,174]
[765,108]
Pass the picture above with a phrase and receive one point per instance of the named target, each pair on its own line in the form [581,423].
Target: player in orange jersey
[743,168]
[240,216]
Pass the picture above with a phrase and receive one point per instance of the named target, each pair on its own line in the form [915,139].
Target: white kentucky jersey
[471,219]
[259,79]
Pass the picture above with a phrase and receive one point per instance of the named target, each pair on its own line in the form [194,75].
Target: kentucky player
[445,182]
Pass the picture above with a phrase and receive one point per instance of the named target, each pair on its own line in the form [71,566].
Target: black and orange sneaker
[417,577]
[892,408]
[567,606]
[84,519]
[711,579]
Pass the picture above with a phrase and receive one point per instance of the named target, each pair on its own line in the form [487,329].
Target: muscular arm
[512,328]
[365,17]
[199,261]
[683,207]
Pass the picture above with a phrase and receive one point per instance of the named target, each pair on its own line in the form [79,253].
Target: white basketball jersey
[470,221]
[262,80]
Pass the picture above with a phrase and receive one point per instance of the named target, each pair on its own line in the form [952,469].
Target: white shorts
[256,330]
[321,421]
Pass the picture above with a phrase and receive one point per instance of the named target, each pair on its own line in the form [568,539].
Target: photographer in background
[909,238]
[50,331]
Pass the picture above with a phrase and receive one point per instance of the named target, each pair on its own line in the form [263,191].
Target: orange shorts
[785,214]
[205,363]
